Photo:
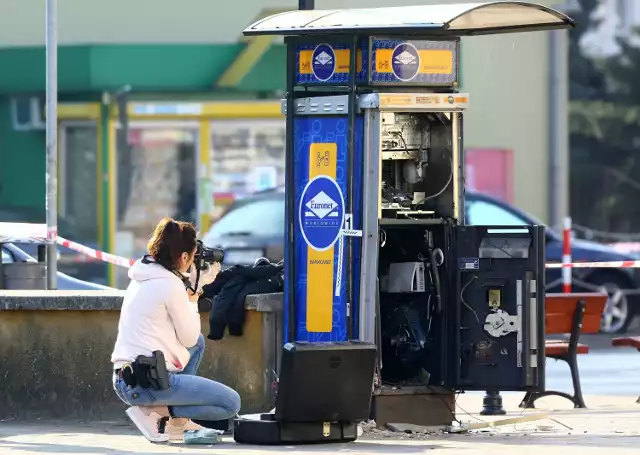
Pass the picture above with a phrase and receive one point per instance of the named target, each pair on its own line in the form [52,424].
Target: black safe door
[498,326]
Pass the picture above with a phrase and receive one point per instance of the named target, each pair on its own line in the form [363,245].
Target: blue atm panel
[320,186]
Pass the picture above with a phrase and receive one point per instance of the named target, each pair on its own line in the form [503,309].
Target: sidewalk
[610,426]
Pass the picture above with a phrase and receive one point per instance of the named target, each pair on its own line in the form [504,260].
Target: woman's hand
[206,276]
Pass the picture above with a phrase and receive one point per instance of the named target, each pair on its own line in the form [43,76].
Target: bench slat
[559,348]
[560,310]
[631,342]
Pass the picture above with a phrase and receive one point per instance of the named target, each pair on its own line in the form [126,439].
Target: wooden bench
[572,314]
[627,342]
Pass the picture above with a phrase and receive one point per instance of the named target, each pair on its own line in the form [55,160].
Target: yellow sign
[320,264]
[432,61]
[342,61]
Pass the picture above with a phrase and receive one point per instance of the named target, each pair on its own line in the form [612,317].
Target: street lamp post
[51,204]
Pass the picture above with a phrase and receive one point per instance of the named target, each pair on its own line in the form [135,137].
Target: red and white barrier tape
[566,256]
[37,233]
[22,233]
[117,260]
[596,265]
[97,254]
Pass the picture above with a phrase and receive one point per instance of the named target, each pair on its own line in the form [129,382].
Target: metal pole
[52,143]
[558,197]
[351,131]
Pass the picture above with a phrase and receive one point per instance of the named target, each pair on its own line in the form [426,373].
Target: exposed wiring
[466,412]
[464,302]
[475,277]
[446,185]
[452,411]
[406,148]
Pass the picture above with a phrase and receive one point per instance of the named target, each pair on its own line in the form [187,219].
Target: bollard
[566,257]
[42,253]
[492,404]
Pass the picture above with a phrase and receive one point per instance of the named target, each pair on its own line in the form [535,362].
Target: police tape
[36,233]
[596,265]
[96,254]
[124,262]
[117,260]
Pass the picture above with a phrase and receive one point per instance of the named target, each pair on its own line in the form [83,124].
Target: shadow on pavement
[227,447]
[556,440]
[34,447]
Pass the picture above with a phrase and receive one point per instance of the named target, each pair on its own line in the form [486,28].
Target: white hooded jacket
[156,315]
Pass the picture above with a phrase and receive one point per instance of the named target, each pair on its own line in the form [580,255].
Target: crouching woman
[159,335]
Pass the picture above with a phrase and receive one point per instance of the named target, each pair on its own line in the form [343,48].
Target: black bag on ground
[324,390]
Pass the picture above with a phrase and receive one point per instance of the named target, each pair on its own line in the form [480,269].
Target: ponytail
[169,240]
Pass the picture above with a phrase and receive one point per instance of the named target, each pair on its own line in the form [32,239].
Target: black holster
[148,372]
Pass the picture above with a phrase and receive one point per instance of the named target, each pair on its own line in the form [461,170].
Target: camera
[205,255]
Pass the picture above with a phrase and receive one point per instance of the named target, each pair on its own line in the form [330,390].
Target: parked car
[70,262]
[255,228]
[250,228]
[12,254]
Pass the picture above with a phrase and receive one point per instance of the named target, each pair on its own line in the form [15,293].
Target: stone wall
[55,349]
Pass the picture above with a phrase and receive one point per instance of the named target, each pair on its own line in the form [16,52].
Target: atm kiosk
[386,288]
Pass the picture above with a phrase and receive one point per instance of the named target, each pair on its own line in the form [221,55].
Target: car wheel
[618,312]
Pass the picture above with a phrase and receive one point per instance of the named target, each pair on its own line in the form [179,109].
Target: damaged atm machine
[392,304]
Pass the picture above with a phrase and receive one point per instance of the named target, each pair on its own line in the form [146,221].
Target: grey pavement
[610,426]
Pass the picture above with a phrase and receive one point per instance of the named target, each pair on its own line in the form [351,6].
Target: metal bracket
[500,323]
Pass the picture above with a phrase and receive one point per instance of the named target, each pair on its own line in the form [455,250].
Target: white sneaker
[147,424]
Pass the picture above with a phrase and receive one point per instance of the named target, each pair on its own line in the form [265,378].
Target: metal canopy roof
[452,19]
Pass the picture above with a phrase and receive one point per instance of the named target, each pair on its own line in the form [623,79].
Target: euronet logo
[323,58]
[405,58]
[322,206]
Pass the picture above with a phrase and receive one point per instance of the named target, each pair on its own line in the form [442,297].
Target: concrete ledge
[103,301]
[61,300]
[55,350]
[265,302]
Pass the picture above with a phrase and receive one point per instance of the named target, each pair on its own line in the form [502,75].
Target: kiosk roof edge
[462,19]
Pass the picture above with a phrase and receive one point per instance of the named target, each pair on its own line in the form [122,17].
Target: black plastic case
[272,432]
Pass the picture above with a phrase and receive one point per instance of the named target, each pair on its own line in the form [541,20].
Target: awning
[462,19]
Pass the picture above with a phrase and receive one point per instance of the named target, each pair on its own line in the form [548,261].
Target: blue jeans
[188,395]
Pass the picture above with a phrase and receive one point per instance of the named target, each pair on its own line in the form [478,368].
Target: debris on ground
[469,426]
[409,428]
[398,430]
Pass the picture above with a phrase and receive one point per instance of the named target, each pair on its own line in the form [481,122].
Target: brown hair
[170,239]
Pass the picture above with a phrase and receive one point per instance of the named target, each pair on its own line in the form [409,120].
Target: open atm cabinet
[456,307]
[409,233]
[374,114]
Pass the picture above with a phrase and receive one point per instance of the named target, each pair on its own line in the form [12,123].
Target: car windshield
[483,213]
[263,217]
[6,257]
